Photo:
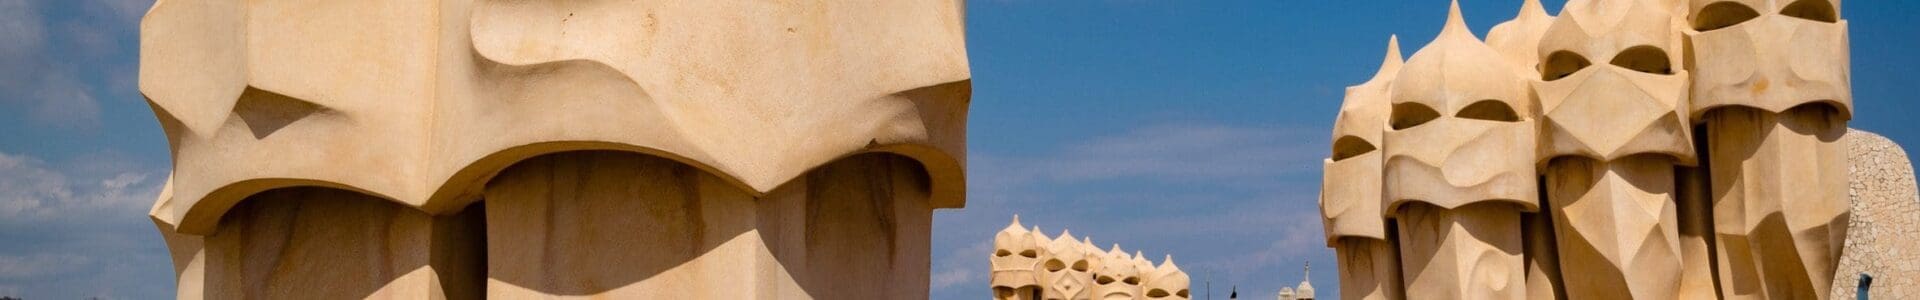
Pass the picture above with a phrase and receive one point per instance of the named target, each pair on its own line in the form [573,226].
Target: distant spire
[1307,274]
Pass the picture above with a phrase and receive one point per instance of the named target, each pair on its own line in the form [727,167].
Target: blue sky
[1191,128]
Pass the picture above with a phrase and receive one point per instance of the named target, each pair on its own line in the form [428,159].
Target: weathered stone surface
[1883,238]
[758,150]
[1459,168]
[1687,149]
[624,225]
[420,102]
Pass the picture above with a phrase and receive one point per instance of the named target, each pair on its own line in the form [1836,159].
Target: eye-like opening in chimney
[1489,110]
[1350,146]
[1561,64]
[1813,10]
[1644,59]
[1722,15]
[1408,115]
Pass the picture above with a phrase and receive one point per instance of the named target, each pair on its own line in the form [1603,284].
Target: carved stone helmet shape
[1350,191]
[1609,84]
[1461,128]
[1016,256]
[1067,273]
[1168,282]
[1117,278]
[1773,55]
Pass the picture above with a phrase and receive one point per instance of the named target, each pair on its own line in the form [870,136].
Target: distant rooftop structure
[1305,290]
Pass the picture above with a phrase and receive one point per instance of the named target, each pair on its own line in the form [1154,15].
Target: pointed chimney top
[1532,8]
[1456,23]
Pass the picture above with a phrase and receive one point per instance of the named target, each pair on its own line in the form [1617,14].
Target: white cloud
[963,267]
[76,229]
[30,191]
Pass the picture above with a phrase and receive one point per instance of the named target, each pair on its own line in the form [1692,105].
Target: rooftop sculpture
[1620,141]
[1028,265]
[471,148]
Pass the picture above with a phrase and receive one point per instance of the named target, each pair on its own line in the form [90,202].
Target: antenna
[1307,274]
[1209,284]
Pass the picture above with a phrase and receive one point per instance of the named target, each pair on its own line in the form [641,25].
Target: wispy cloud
[76,229]
[31,191]
[46,64]
[962,266]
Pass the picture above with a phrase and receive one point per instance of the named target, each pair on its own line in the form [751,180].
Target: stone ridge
[1886,214]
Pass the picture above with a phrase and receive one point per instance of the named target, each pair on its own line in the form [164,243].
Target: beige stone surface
[1460,131]
[1776,178]
[1542,256]
[1459,168]
[1684,149]
[1609,86]
[1369,268]
[1886,218]
[1519,39]
[1350,196]
[1611,134]
[1117,276]
[1351,184]
[1617,226]
[1167,281]
[290,241]
[1015,263]
[623,225]
[1467,253]
[440,95]
[1773,90]
[1773,55]
[798,151]
[1067,272]
[1693,193]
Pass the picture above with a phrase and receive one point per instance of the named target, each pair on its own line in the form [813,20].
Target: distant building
[1302,292]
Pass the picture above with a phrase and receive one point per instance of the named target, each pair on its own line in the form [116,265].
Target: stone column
[626,225]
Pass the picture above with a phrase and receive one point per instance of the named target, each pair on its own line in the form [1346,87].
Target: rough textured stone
[1883,238]
[338,149]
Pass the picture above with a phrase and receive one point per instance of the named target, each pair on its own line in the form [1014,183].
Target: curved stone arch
[203,217]
[465,185]
[948,184]
[947,178]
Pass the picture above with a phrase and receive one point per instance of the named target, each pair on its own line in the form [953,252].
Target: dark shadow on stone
[267,112]
[320,243]
[590,222]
